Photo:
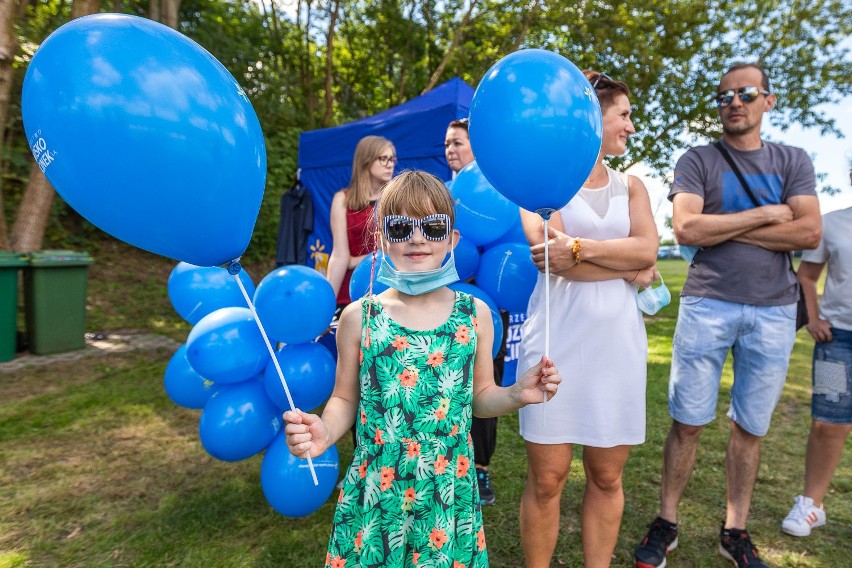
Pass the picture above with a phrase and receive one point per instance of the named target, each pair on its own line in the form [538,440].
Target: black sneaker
[660,540]
[486,492]
[736,546]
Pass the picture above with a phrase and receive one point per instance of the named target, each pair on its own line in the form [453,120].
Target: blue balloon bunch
[225,369]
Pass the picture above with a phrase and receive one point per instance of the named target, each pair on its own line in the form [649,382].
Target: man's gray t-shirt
[733,271]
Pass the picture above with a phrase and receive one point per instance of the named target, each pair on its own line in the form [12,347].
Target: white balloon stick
[277,365]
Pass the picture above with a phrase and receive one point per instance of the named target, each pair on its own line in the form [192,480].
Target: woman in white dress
[603,244]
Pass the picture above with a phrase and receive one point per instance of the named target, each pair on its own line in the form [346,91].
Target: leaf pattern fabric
[410,496]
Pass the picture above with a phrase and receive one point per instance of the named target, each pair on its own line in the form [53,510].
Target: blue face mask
[417,283]
[652,300]
[688,252]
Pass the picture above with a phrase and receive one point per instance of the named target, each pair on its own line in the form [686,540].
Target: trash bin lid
[60,258]
[10,259]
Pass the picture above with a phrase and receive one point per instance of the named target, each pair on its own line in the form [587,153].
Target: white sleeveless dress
[597,340]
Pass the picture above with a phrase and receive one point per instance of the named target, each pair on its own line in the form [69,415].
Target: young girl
[414,365]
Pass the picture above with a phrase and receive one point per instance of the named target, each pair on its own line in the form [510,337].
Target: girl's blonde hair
[369,148]
[417,194]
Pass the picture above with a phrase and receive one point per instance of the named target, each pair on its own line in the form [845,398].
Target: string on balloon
[234,267]
[545,214]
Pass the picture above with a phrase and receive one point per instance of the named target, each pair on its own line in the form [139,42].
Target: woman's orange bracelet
[575,248]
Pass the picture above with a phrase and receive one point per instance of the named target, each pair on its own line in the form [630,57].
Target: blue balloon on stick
[196,291]
[295,304]
[515,234]
[507,273]
[238,421]
[359,283]
[287,483]
[226,346]
[308,369]
[535,128]
[467,258]
[146,135]
[183,385]
[482,213]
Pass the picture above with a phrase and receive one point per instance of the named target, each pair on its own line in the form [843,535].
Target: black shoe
[486,492]
[736,546]
[661,539]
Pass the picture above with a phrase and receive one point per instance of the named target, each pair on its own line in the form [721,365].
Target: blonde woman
[352,227]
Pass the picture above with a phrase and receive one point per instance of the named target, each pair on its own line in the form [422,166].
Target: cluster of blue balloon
[225,369]
[139,88]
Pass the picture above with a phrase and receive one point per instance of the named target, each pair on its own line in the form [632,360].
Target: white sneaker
[803,517]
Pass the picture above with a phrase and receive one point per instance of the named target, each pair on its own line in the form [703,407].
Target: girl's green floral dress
[410,496]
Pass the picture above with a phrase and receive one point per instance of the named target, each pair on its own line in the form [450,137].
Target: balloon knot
[234,267]
[546,212]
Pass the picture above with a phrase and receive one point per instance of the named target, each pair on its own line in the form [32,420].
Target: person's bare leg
[603,503]
[742,463]
[825,448]
[678,464]
[547,471]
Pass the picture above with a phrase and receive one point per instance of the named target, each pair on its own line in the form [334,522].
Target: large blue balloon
[238,421]
[287,483]
[183,385]
[535,128]
[295,303]
[308,369]
[359,284]
[226,346]
[482,214]
[196,291]
[466,257]
[147,136]
[515,234]
[507,273]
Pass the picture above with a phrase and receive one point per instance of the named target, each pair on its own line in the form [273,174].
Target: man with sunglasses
[740,295]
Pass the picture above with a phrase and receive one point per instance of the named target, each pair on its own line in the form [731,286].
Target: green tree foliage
[670,52]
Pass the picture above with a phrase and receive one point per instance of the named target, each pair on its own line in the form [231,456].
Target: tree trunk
[306,64]
[456,40]
[34,211]
[171,10]
[329,66]
[10,11]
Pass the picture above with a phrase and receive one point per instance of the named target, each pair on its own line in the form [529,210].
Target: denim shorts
[761,339]
[832,372]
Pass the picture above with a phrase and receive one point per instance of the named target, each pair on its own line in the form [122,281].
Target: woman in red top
[352,227]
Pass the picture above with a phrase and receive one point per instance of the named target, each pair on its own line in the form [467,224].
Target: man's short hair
[745,65]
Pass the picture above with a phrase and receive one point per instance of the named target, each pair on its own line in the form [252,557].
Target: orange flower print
[400,342]
[441,465]
[360,357]
[362,470]
[338,562]
[480,539]
[408,378]
[328,558]
[378,438]
[413,449]
[363,417]
[387,478]
[462,467]
[409,494]
[435,359]
[340,496]
[415,558]
[455,430]
[440,413]
[437,539]
[457,564]
[463,334]
[367,339]
[358,542]
[475,323]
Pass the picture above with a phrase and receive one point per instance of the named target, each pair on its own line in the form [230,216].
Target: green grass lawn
[99,468]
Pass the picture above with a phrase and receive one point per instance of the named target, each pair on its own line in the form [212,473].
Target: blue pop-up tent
[417,130]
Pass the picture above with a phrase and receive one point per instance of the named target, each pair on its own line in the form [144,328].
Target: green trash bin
[10,262]
[55,300]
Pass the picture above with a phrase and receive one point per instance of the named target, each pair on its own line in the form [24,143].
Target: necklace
[595,174]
